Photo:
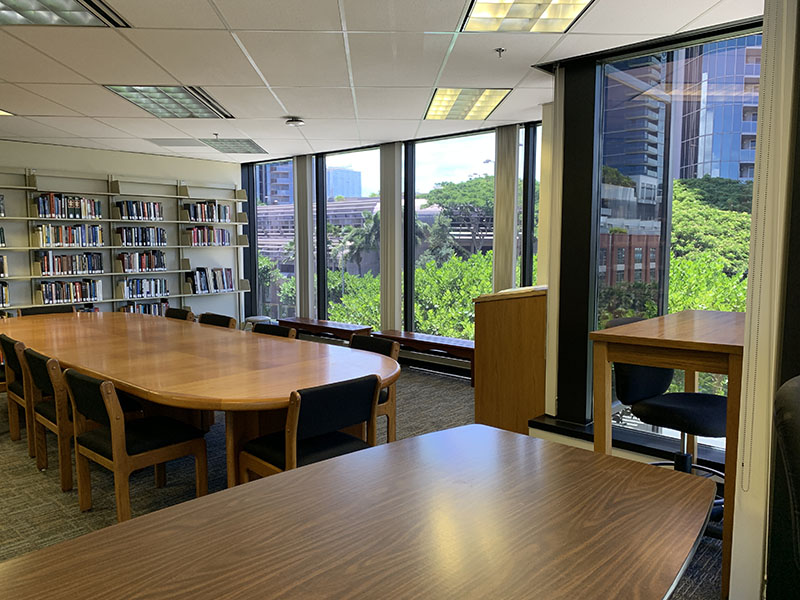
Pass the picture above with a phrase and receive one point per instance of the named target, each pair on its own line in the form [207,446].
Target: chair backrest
[87,396]
[46,310]
[634,383]
[181,314]
[217,320]
[375,344]
[276,330]
[331,407]
[8,346]
[40,375]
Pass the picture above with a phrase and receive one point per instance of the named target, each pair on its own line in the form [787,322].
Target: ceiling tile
[299,59]
[18,101]
[82,127]
[244,158]
[474,62]
[197,57]
[396,59]
[537,78]
[387,130]
[578,44]
[146,127]
[643,16]
[392,102]
[297,15]
[98,53]
[317,103]
[445,127]
[330,129]
[246,102]
[206,128]
[332,146]
[175,14]
[284,147]
[72,142]
[269,129]
[524,104]
[23,127]
[727,11]
[133,145]
[30,65]
[89,100]
[403,15]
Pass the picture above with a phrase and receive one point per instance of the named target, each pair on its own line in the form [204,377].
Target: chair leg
[160,471]
[122,492]
[40,444]
[201,471]
[391,426]
[244,473]
[84,481]
[13,420]
[64,461]
[29,435]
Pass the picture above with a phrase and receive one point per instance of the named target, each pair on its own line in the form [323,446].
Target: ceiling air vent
[105,13]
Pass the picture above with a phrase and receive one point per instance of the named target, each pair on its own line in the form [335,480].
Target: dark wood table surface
[471,512]
[342,331]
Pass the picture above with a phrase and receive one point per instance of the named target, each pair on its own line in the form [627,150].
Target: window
[637,274]
[274,198]
[527,134]
[620,256]
[603,257]
[637,256]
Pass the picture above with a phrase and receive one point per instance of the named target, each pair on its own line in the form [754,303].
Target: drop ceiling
[359,72]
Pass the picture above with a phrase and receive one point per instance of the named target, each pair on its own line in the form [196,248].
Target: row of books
[209,236]
[3,266]
[5,299]
[59,292]
[66,264]
[139,262]
[205,280]
[58,206]
[137,210]
[146,308]
[142,236]
[50,236]
[2,237]
[144,288]
[209,212]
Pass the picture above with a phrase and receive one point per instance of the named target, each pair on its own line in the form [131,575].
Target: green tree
[361,240]
[442,246]
[468,204]
[613,176]
[727,194]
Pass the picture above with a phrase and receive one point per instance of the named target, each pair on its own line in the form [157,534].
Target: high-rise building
[343,181]
[274,183]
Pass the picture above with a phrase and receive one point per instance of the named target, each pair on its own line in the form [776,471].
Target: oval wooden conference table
[188,365]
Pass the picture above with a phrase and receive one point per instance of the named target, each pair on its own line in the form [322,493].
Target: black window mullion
[409,238]
[251,253]
[322,236]
[528,203]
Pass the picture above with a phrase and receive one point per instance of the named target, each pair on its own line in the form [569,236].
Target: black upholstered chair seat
[383,396]
[2,373]
[46,408]
[692,413]
[141,435]
[129,402]
[272,447]
[16,387]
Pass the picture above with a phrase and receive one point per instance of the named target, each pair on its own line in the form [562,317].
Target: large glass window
[454,203]
[678,158]
[274,197]
[535,155]
[352,183]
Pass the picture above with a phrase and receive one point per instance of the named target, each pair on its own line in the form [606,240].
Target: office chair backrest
[46,310]
[86,394]
[40,375]
[179,313]
[276,330]
[7,345]
[787,475]
[634,383]
[331,407]
[375,344]
[217,320]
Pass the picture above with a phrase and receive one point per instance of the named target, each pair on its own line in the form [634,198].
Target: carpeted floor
[35,513]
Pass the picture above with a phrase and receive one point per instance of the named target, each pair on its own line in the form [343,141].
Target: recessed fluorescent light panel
[173,102]
[464,104]
[538,16]
[234,145]
[4,113]
[90,13]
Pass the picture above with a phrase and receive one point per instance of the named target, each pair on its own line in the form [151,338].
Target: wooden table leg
[602,398]
[731,464]
[240,426]
[690,385]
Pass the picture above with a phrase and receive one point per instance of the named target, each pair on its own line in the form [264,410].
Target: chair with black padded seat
[387,400]
[15,391]
[181,314]
[217,320]
[51,309]
[276,330]
[313,433]
[125,446]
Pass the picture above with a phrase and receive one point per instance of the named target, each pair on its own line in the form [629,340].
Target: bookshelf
[102,242]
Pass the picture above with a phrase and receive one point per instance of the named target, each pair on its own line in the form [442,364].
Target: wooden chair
[387,401]
[313,423]
[126,446]
[182,314]
[44,385]
[15,392]
[217,320]
[47,310]
[276,330]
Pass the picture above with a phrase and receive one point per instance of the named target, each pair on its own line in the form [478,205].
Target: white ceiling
[359,72]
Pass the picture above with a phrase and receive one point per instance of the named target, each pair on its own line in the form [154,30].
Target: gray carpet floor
[35,513]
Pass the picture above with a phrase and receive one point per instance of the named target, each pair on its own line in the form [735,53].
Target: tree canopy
[726,194]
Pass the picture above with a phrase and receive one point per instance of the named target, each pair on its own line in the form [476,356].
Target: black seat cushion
[272,447]
[2,373]
[46,408]
[141,435]
[692,413]
[128,402]
[383,397]
[16,387]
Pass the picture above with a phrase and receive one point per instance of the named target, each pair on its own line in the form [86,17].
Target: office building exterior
[342,181]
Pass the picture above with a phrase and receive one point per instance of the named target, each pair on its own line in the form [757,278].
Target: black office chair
[387,400]
[50,309]
[217,320]
[126,446]
[276,330]
[181,314]
[15,391]
[313,423]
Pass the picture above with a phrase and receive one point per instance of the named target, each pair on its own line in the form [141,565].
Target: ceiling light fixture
[172,101]
[83,13]
[295,122]
[234,145]
[4,113]
[464,104]
[537,16]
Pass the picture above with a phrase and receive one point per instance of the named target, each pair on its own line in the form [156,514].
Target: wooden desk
[188,365]
[471,512]
[697,341]
[343,331]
